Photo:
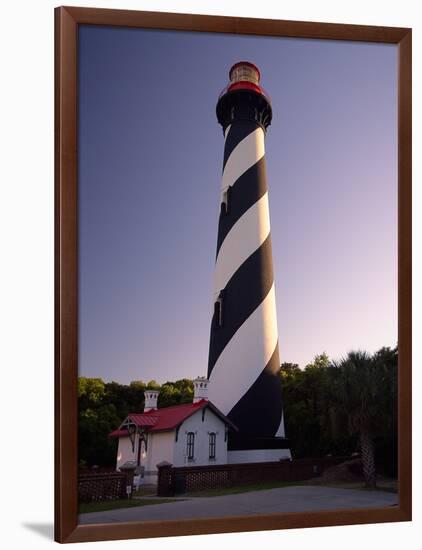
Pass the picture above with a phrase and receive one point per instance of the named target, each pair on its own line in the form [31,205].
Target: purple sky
[150,159]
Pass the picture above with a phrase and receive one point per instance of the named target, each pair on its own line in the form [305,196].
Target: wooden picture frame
[67,20]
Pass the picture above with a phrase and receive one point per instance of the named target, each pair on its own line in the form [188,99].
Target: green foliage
[365,388]
[309,420]
[320,361]
[90,390]
[327,404]
[175,393]
[153,385]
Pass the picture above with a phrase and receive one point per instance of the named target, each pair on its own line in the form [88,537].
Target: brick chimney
[151,398]
[200,385]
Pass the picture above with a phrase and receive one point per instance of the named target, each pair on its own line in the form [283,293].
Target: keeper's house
[192,434]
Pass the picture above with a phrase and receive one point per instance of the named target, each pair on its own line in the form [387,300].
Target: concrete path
[285,499]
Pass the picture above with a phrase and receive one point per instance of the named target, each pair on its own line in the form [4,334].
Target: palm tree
[359,391]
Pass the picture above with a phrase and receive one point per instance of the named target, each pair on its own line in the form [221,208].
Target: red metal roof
[168,418]
[145,420]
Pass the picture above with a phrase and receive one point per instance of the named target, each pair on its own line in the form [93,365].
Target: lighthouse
[244,363]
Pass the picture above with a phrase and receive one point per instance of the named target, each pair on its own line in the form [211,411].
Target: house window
[212,445]
[218,311]
[190,445]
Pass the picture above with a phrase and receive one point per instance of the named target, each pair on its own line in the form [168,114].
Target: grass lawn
[88,507]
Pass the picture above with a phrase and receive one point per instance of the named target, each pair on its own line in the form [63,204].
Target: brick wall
[173,481]
[94,487]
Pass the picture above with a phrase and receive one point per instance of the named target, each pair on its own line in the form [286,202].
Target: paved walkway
[285,499]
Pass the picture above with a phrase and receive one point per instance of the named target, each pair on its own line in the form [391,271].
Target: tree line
[330,408]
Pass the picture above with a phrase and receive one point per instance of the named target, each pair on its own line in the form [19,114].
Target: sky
[150,155]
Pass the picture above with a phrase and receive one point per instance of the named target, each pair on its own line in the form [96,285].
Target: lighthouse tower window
[225,202]
[218,311]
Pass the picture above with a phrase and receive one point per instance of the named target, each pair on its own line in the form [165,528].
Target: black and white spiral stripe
[243,357]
